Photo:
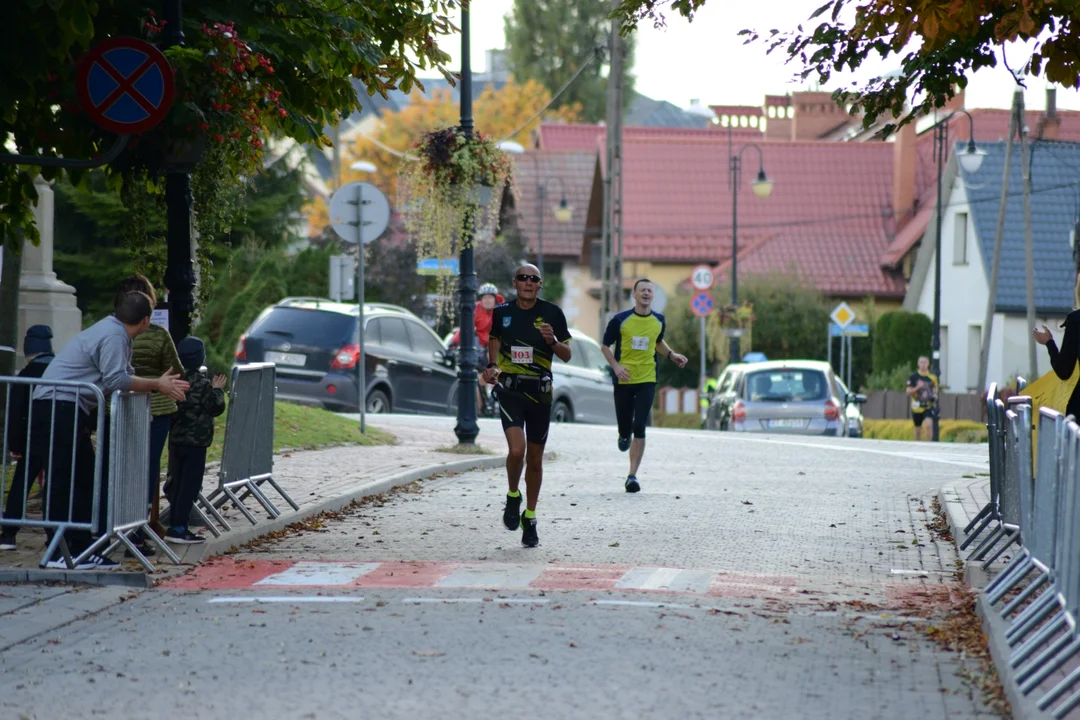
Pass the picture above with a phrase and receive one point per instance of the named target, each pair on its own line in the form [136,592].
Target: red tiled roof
[577,171]
[907,237]
[824,217]
[555,136]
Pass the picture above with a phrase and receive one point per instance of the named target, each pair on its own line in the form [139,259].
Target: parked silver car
[583,387]
[788,396]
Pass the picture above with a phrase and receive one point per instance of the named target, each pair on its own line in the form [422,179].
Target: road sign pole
[361,388]
[701,375]
[828,344]
[850,358]
[841,356]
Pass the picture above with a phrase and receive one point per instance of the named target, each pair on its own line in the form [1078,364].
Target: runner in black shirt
[525,335]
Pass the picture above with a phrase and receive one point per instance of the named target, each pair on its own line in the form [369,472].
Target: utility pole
[1029,255]
[611,228]
[179,269]
[988,319]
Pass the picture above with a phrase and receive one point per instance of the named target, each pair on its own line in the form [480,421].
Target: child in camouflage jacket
[192,432]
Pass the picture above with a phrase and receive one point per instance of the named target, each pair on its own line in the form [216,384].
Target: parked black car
[315,345]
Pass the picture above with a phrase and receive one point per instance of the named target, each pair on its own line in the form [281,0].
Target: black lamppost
[762,187]
[179,271]
[466,428]
[971,159]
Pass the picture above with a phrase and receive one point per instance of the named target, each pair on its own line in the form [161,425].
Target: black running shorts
[520,411]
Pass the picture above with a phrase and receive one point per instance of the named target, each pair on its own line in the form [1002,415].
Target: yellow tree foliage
[497,113]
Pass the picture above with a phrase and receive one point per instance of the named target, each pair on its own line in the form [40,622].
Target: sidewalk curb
[217,546]
[1023,706]
[237,538]
[78,577]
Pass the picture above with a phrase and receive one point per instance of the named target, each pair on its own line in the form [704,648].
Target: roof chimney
[905,160]
[1049,125]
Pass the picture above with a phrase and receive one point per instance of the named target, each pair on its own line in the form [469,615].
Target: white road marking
[320,573]
[743,437]
[492,575]
[899,571]
[494,601]
[285,599]
[676,580]
[641,603]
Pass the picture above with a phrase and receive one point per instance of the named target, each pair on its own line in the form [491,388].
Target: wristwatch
[491,365]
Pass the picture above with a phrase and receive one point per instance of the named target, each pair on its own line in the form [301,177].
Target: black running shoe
[624,444]
[529,538]
[632,485]
[511,513]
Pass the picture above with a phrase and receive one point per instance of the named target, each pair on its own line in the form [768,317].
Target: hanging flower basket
[450,187]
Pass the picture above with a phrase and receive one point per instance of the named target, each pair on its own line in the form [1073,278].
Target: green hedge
[900,337]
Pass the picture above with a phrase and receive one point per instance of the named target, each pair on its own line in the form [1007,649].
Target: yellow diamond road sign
[843,315]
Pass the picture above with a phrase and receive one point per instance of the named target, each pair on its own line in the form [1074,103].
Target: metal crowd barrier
[129,478]
[989,516]
[31,464]
[247,461]
[1042,626]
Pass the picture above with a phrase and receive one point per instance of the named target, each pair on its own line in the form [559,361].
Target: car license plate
[280,358]
[788,423]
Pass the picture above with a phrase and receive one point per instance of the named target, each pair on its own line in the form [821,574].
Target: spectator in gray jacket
[100,355]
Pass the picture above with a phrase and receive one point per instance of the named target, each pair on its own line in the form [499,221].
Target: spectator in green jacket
[152,355]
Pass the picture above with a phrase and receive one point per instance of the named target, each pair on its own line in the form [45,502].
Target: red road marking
[405,575]
[580,578]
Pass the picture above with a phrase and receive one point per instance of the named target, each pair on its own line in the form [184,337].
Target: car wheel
[378,402]
[561,412]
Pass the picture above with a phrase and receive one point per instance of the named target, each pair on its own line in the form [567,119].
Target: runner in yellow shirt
[637,336]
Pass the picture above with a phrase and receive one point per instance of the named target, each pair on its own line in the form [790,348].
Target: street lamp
[762,187]
[466,428]
[363,166]
[971,160]
[563,212]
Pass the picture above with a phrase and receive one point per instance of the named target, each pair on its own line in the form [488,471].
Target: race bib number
[639,342]
[521,354]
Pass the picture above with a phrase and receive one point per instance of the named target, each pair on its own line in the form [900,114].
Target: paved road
[766,577]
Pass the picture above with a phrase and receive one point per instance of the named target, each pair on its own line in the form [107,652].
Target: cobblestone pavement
[799,576]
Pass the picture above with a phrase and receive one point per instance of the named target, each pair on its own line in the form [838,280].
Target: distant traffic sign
[852,330]
[359,212]
[702,304]
[125,85]
[843,315]
[702,278]
[437,266]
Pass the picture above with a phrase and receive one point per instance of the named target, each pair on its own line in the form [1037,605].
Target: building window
[960,225]
[596,252]
[973,352]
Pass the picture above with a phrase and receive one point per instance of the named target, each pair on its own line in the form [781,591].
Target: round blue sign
[702,304]
[125,85]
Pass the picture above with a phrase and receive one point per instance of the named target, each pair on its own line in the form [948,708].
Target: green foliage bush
[895,379]
[900,337]
[954,431]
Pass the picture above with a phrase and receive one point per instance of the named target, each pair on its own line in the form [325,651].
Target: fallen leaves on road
[428,653]
[746,502]
[614,544]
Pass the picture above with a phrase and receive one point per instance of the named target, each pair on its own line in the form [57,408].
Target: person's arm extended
[673,356]
[562,351]
[1064,359]
[620,372]
[494,345]
[169,383]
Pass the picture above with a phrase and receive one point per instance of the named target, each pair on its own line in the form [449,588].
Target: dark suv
[315,345]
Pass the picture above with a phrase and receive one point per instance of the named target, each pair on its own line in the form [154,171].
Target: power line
[595,54]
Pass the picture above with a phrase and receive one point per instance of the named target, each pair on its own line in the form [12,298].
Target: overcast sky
[707,60]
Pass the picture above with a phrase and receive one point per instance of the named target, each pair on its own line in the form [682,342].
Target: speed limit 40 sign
[702,278]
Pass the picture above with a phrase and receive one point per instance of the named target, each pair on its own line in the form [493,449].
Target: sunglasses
[528,278]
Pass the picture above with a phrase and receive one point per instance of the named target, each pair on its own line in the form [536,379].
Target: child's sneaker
[183,536]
